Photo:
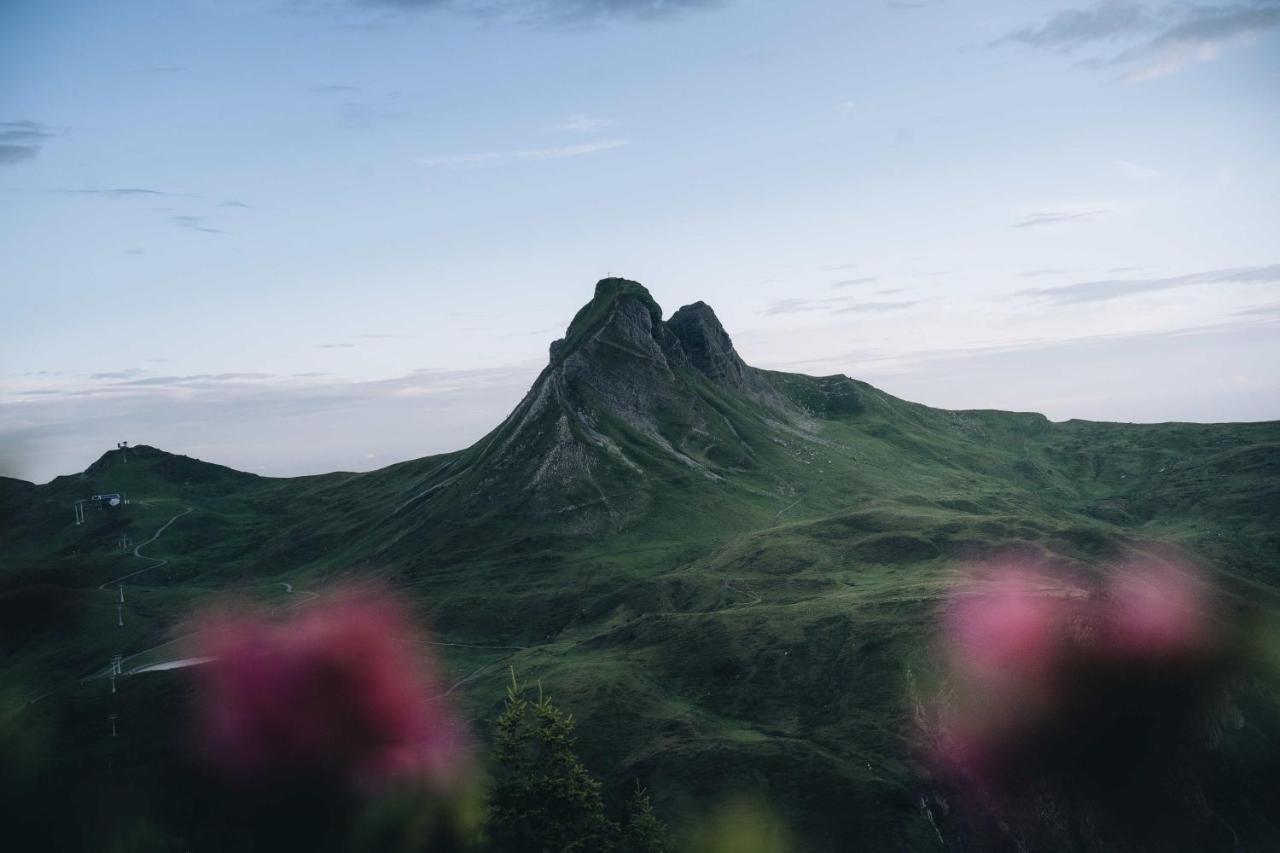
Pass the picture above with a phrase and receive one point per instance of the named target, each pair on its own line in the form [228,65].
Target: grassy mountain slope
[729,575]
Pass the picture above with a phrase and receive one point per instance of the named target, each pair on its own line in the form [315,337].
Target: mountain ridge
[705,345]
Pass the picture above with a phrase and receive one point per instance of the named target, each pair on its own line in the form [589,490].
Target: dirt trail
[137,551]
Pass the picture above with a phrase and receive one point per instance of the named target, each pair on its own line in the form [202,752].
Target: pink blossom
[1071,683]
[1153,609]
[1007,628]
[340,690]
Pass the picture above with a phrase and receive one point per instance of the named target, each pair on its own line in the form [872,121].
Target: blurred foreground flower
[1082,699]
[341,691]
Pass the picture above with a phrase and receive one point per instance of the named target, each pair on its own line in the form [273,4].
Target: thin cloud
[195,379]
[875,307]
[1201,37]
[1048,271]
[25,131]
[21,141]
[1057,217]
[360,115]
[127,192]
[505,158]
[1145,42]
[585,124]
[11,154]
[1072,29]
[195,223]
[912,360]
[1135,171]
[332,89]
[363,340]
[1101,291]
[1272,310]
[833,305]
[127,373]
[551,12]
[853,282]
[796,306]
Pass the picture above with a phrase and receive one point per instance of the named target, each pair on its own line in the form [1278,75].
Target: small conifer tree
[543,800]
[643,832]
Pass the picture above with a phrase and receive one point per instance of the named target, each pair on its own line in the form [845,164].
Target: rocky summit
[624,398]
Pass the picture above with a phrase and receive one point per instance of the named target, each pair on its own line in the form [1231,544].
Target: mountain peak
[120,456]
[709,347]
[611,293]
[129,466]
[614,287]
[627,401]
[622,317]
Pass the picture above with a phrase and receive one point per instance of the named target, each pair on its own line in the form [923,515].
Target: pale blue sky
[302,235]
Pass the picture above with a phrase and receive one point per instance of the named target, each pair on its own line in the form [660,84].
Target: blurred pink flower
[342,689]
[1007,630]
[1054,681]
[1152,610]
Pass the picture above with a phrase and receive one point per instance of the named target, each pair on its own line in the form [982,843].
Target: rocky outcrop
[707,345]
[623,398]
[709,350]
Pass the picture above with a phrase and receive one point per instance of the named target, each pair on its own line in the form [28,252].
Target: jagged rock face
[707,344]
[620,400]
[710,349]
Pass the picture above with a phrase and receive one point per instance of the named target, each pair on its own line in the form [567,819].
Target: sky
[295,236]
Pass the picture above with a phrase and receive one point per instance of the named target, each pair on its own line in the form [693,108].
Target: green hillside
[730,576]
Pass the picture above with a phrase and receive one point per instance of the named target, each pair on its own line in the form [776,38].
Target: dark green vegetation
[543,800]
[729,576]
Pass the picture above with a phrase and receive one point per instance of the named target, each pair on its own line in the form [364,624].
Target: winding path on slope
[288,587]
[156,563]
[777,516]
[137,551]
